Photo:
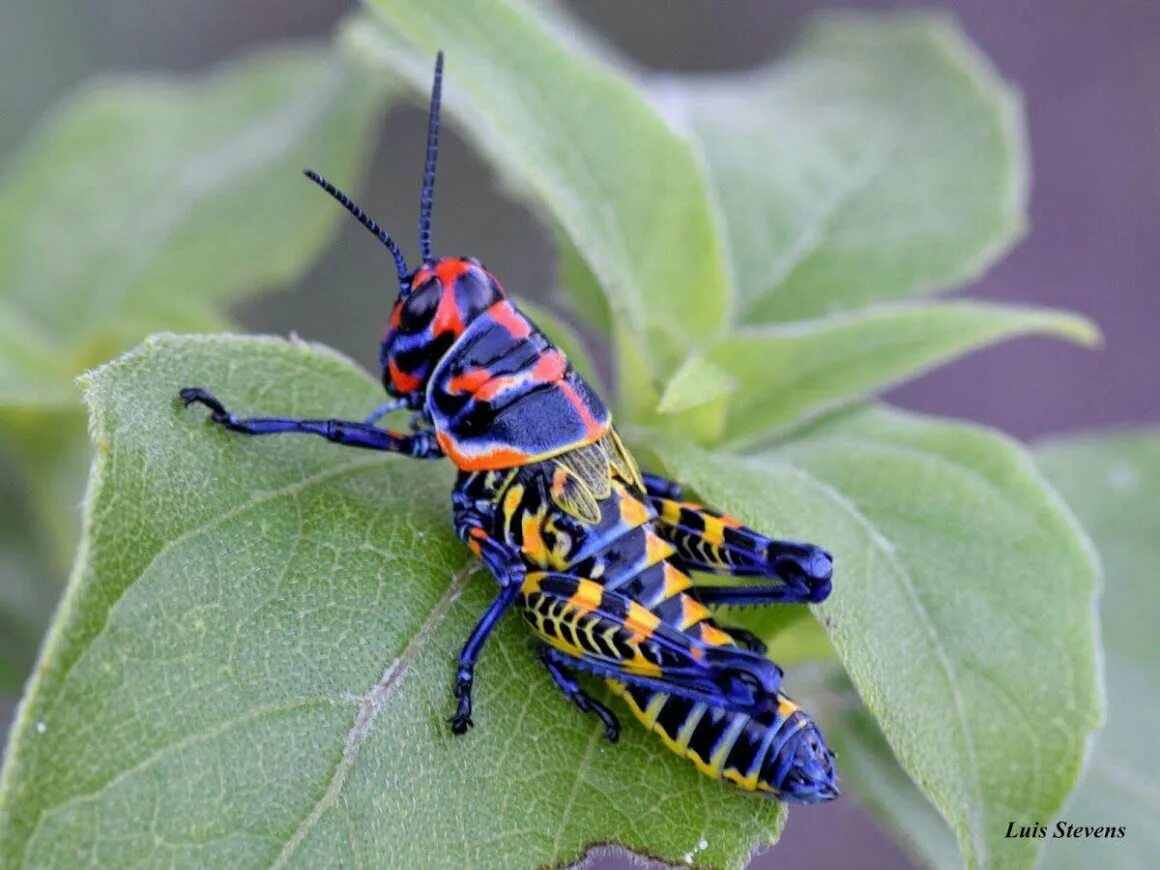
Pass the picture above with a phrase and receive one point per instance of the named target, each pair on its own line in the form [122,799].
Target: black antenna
[429,168]
[363,218]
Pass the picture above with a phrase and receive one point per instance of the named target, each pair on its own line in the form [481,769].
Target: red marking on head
[448,317]
[403,381]
[468,382]
[506,316]
[396,316]
[450,269]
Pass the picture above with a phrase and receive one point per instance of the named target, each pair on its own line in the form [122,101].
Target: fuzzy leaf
[142,203]
[881,158]
[788,373]
[582,141]
[962,605]
[256,653]
[1113,483]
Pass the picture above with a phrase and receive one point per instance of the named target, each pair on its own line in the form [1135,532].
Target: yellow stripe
[714,530]
[511,501]
[654,709]
[587,596]
[726,743]
[690,725]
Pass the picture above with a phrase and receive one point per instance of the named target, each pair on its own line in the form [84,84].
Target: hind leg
[709,541]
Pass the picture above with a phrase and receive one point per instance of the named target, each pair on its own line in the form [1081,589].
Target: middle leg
[570,686]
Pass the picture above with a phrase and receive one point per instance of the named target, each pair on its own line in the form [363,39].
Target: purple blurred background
[1089,71]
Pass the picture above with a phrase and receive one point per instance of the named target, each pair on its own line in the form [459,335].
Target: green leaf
[254,660]
[882,158]
[144,203]
[697,382]
[962,605]
[582,141]
[873,774]
[1113,483]
[788,373]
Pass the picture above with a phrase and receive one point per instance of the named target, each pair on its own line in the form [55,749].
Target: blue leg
[661,487]
[420,445]
[384,409]
[565,678]
[464,678]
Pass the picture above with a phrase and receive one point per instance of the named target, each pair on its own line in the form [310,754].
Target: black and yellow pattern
[607,588]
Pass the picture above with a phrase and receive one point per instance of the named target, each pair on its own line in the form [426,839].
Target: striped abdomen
[776,750]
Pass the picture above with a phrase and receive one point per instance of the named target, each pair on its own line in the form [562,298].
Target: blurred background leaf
[963,603]
[880,158]
[1113,483]
[141,204]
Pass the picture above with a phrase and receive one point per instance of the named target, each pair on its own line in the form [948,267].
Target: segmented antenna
[363,218]
[429,168]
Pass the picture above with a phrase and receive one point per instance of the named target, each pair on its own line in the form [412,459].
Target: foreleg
[419,445]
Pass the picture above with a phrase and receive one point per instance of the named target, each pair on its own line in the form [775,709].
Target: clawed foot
[218,412]
[461,721]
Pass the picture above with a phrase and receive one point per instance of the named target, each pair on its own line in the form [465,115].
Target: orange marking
[786,707]
[404,381]
[714,636]
[549,367]
[496,386]
[655,549]
[587,596]
[468,382]
[396,315]
[533,545]
[675,581]
[496,458]
[692,612]
[731,522]
[506,316]
[640,620]
[631,511]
